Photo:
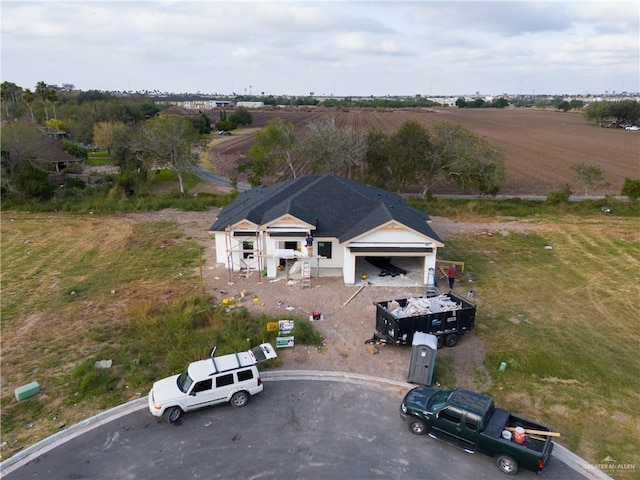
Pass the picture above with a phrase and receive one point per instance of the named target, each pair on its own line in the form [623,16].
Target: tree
[376,159]
[241,116]
[631,188]
[9,93]
[52,96]
[22,145]
[327,148]
[591,176]
[500,102]
[461,102]
[42,91]
[104,134]
[28,98]
[409,155]
[597,112]
[274,146]
[576,104]
[469,160]
[626,112]
[404,158]
[167,141]
[202,123]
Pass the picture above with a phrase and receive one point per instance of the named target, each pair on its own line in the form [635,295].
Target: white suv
[230,378]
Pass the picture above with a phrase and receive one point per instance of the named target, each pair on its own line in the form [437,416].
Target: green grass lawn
[560,307]
[99,158]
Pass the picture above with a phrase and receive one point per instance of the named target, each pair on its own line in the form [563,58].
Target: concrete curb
[63,436]
[49,443]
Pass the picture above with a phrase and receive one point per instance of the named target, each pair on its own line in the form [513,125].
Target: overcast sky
[326,47]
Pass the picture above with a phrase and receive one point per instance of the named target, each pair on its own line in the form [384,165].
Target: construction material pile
[423,306]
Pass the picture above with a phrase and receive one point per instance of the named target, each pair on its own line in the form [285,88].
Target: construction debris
[423,306]
[354,295]
[372,350]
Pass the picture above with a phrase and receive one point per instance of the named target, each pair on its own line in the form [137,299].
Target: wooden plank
[354,295]
[535,432]
[452,262]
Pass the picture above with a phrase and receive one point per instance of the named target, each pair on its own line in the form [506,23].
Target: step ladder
[306,274]
[430,289]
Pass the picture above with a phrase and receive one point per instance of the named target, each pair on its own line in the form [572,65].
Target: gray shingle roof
[336,206]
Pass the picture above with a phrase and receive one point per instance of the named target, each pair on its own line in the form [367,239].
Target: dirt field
[345,326]
[540,146]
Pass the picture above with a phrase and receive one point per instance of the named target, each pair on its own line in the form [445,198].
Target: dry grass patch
[67,286]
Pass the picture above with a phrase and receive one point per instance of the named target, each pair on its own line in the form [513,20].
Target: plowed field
[540,146]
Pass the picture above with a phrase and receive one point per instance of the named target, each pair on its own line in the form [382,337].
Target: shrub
[72,182]
[559,196]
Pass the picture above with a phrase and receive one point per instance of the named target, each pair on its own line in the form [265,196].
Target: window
[471,422]
[324,249]
[244,375]
[247,248]
[202,386]
[451,415]
[223,380]
[184,382]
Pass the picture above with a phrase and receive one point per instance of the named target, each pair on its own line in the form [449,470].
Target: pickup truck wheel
[440,342]
[417,426]
[239,399]
[173,414]
[507,465]
[451,340]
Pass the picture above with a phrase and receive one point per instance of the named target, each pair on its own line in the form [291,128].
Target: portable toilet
[423,358]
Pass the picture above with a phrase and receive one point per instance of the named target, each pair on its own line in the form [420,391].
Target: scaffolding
[249,259]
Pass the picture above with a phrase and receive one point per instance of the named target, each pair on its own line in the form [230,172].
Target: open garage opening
[387,271]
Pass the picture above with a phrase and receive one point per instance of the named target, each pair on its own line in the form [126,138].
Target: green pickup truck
[471,421]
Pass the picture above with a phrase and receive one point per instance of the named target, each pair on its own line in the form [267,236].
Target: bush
[34,183]
[226,125]
[72,182]
[75,149]
[305,333]
[242,116]
[559,197]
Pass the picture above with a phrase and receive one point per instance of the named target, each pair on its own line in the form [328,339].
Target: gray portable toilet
[423,358]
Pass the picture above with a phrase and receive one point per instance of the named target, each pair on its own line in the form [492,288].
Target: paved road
[218,180]
[299,429]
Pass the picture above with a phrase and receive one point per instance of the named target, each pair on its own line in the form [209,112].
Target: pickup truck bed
[502,419]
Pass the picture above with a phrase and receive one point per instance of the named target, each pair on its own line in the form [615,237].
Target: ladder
[430,288]
[306,274]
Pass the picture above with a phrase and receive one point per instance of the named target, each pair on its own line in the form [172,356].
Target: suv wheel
[239,399]
[173,414]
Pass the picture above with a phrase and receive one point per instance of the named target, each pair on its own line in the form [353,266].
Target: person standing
[309,244]
[451,275]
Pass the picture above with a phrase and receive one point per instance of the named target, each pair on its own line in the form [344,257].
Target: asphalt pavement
[304,425]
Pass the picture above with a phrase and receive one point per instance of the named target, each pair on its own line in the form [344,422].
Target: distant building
[250,104]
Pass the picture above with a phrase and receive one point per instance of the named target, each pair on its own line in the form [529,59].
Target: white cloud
[346,48]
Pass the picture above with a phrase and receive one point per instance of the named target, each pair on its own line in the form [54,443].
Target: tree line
[619,114]
[141,137]
[138,135]
[412,157]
